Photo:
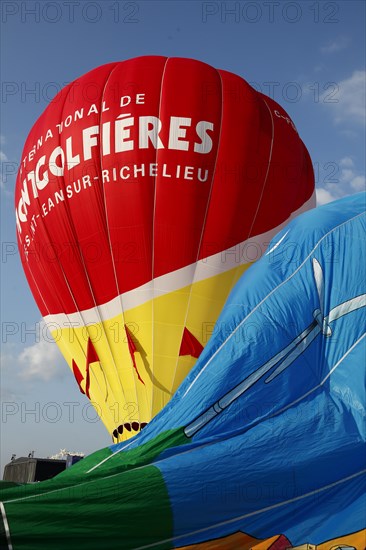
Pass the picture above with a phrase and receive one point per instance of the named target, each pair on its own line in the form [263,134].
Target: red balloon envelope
[146,188]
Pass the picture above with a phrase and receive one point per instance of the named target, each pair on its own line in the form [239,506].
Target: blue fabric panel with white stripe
[274,409]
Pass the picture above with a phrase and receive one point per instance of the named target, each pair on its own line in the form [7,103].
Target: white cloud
[351,177]
[7,356]
[346,161]
[358,183]
[350,181]
[348,103]
[334,46]
[41,361]
[323,196]
[347,174]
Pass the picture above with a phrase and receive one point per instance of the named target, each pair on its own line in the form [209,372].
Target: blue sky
[309,56]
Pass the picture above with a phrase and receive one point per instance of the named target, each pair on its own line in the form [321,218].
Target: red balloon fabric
[145,188]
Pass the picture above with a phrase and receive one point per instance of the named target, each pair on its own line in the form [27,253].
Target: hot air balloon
[146,188]
[263,445]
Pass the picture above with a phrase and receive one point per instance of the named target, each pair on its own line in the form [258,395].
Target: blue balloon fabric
[263,445]
[274,409]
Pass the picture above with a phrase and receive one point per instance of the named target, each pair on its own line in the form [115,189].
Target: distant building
[30,469]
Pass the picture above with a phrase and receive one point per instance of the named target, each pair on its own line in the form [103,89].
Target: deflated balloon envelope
[146,189]
[265,436]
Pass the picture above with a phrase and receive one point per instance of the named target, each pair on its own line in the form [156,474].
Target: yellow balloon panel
[130,383]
